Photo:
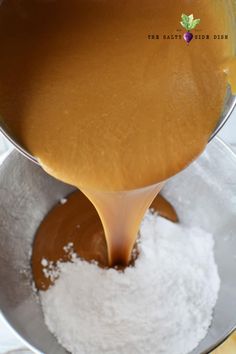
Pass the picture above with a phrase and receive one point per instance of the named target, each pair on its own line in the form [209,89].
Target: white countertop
[8,341]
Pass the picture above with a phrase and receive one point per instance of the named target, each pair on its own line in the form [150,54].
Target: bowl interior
[204,194]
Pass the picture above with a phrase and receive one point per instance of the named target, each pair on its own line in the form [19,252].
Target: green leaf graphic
[184,18]
[190,19]
[195,23]
[188,22]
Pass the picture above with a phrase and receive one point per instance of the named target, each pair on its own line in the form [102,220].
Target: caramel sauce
[104,108]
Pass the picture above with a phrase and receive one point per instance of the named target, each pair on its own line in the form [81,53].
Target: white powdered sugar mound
[162,305]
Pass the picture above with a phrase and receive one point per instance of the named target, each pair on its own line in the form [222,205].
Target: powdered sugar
[50,270]
[162,305]
[44,262]
[63,201]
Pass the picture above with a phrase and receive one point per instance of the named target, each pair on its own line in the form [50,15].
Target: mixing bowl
[204,194]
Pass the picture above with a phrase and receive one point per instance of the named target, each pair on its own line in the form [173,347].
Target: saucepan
[228,107]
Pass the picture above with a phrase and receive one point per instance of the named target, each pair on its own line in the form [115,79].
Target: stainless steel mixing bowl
[204,194]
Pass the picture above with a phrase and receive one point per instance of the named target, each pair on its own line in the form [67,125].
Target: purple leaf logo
[189,23]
